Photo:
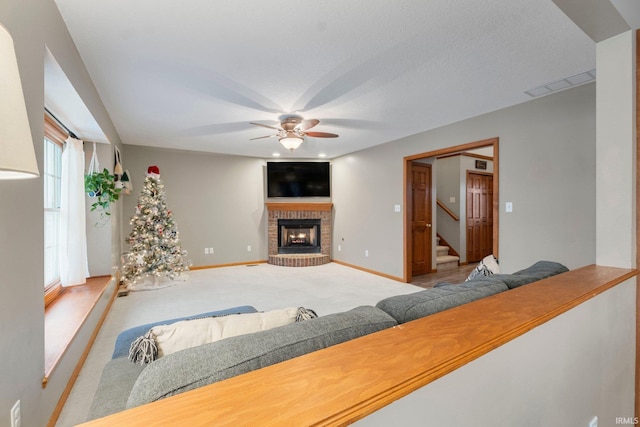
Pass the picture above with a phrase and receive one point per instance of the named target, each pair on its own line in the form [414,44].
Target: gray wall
[34,24]
[616,151]
[546,167]
[217,201]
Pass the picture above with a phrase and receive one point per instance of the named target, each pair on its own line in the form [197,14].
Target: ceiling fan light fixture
[292,131]
[291,142]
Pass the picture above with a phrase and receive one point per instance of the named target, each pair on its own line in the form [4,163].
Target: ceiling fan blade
[307,124]
[266,126]
[321,134]
[262,137]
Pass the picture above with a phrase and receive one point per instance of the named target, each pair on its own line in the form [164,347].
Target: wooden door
[420,218]
[479,215]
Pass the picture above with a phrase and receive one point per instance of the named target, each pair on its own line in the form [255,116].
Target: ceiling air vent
[563,84]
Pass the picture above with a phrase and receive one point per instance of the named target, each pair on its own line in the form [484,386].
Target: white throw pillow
[191,333]
[492,264]
[486,267]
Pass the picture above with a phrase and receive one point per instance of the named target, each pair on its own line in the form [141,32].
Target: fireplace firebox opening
[299,236]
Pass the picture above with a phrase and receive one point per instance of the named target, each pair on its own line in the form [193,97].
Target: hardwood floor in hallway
[450,276]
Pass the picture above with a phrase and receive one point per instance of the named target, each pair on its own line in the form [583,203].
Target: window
[53,142]
[52,179]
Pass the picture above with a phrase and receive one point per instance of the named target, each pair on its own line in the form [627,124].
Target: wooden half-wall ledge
[341,384]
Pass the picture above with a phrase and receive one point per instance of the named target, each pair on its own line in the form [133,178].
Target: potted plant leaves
[101,186]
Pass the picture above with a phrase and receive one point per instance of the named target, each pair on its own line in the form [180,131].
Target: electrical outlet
[206,251]
[15,415]
[339,248]
[211,251]
[249,248]
[366,252]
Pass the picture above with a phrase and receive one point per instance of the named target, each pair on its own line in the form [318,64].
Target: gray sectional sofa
[125,384]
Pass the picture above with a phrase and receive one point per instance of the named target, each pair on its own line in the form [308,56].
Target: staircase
[444,261]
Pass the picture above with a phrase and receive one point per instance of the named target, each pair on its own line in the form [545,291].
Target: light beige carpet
[326,289]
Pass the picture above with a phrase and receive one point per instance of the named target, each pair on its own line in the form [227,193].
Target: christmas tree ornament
[154,172]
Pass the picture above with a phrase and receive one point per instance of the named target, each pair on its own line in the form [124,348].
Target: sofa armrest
[118,377]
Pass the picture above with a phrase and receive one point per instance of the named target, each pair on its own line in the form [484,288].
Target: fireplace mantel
[299,206]
[299,210]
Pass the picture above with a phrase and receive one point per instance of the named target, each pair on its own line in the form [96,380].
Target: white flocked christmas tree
[156,258]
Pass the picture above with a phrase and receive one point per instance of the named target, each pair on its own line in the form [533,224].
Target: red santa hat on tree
[153,172]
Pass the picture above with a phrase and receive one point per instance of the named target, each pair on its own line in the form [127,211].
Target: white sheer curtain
[74,266]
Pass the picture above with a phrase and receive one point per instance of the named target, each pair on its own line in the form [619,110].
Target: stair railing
[447,210]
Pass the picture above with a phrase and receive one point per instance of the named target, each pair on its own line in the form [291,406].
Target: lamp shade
[291,142]
[17,156]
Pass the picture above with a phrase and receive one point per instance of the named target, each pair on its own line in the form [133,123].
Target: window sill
[64,317]
[51,293]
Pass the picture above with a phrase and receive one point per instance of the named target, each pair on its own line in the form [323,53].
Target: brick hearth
[320,211]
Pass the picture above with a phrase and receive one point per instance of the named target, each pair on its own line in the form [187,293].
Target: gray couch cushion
[543,269]
[494,278]
[209,363]
[539,270]
[405,308]
[118,377]
[126,337]
[513,281]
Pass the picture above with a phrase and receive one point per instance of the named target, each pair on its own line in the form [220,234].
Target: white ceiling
[192,75]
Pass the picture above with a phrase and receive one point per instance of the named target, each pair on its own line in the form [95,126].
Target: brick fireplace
[301,213]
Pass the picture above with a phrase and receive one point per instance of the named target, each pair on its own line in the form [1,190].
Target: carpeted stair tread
[442,250]
[447,258]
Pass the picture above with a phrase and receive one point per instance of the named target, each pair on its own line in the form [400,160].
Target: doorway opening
[410,253]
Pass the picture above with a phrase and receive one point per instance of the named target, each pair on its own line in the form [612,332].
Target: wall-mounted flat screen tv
[298,179]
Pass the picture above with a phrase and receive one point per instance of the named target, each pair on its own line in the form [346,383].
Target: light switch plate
[508,207]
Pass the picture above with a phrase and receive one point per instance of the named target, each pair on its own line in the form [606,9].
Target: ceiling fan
[292,130]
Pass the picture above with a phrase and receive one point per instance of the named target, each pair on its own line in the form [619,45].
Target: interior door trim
[491,142]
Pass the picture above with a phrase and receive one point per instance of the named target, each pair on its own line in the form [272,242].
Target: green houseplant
[102,187]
